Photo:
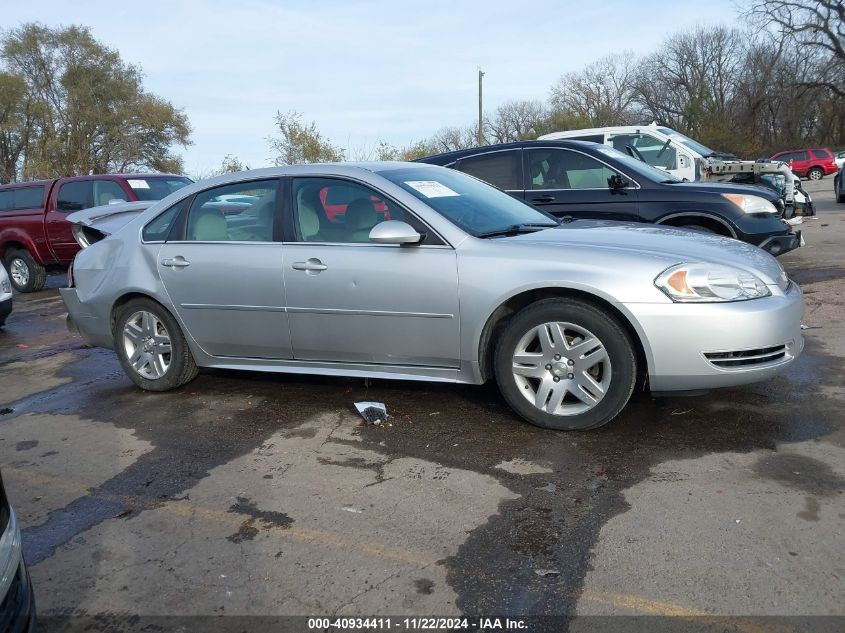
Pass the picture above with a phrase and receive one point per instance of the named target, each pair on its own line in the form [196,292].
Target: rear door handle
[175,262]
[312,266]
[546,198]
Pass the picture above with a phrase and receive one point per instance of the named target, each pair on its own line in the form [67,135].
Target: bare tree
[515,121]
[601,94]
[449,139]
[818,28]
[690,82]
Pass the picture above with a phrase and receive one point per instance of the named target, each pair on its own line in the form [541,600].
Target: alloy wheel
[561,368]
[19,272]
[146,342]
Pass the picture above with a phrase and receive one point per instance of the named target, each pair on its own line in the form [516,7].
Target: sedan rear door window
[243,212]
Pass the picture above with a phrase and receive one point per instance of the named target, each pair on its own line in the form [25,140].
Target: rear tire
[815,173]
[592,361]
[151,347]
[26,274]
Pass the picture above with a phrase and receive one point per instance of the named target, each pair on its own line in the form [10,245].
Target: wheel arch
[15,242]
[718,225]
[128,296]
[500,316]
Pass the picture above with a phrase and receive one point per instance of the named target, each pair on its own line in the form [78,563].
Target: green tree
[14,125]
[299,142]
[90,112]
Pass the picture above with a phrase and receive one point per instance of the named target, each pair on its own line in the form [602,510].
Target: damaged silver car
[417,272]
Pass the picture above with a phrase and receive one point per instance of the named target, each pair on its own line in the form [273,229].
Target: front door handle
[312,267]
[175,262]
[545,198]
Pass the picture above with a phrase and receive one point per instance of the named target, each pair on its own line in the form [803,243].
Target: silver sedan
[416,272]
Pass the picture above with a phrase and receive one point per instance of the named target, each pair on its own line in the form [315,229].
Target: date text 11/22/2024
[417,624]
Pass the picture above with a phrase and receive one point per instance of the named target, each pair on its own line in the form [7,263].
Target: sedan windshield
[695,146]
[476,207]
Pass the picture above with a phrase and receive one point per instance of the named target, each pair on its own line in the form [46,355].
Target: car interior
[336,211]
[214,220]
[563,169]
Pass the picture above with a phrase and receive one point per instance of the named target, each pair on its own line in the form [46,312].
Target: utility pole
[480,110]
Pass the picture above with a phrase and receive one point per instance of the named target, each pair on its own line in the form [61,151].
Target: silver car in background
[17,602]
[5,296]
[417,272]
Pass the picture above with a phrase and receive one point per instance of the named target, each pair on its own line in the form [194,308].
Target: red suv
[814,164]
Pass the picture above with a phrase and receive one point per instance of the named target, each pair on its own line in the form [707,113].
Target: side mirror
[617,182]
[394,232]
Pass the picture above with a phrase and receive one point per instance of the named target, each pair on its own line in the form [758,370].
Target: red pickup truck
[34,234]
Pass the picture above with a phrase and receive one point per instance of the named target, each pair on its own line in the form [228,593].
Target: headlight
[5,286]
[750,204]
[703,283]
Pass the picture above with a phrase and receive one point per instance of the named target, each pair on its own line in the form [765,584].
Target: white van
[658,146]
[686,158]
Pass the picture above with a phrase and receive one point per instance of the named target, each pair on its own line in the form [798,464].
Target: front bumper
[780,244]
[5,309]
[704,346]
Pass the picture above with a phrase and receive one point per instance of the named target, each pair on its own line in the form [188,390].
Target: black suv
[588,180]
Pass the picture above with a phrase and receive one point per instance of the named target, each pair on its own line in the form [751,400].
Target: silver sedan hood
[672,244]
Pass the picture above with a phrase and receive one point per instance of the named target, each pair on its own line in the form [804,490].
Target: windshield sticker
[431,188]
[138,184]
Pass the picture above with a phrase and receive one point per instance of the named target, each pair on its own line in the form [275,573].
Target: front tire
[815,173]
[565,364]
[151,347]
[26,274]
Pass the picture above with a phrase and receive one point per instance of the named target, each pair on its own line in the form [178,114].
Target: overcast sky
[364,71]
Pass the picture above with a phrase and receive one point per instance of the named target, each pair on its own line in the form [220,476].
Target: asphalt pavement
[260,494]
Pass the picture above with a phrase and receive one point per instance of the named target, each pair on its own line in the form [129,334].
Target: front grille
[747,357]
